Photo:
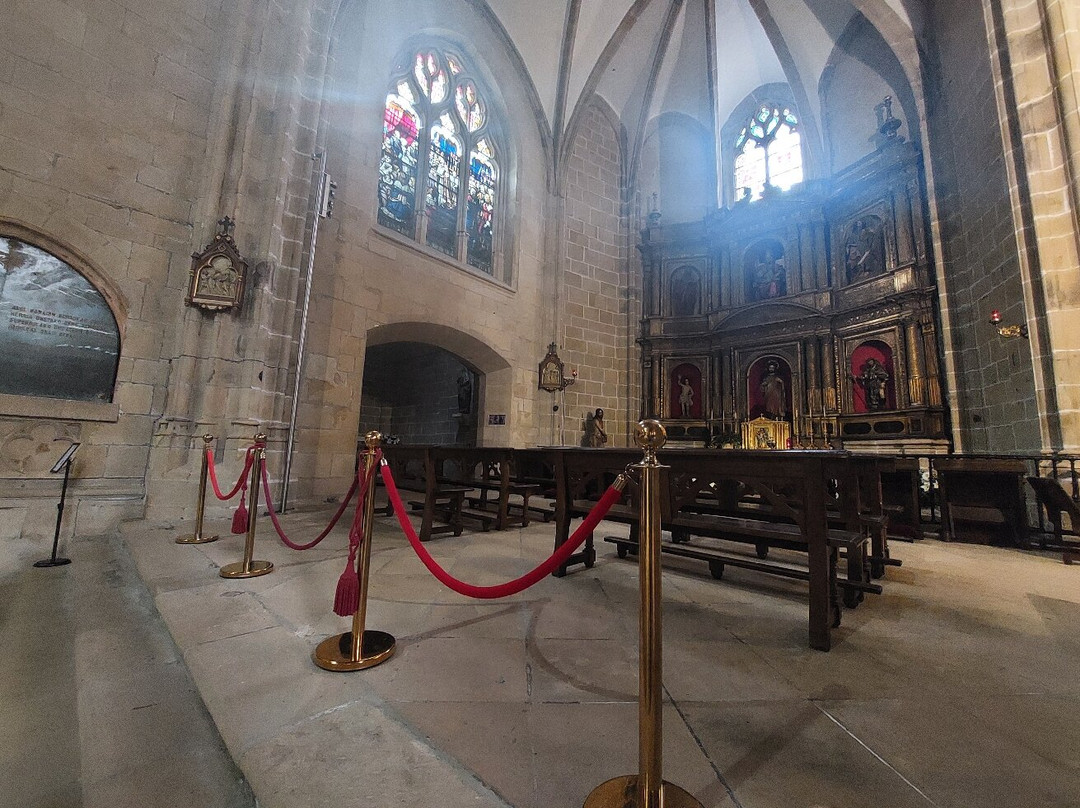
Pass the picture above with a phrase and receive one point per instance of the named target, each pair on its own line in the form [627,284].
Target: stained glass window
[768,152]
[469,105]
[444,159]
[397,168]
[436,107]
[481,206]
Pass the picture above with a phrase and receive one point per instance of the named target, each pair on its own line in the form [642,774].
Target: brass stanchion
[647,788]
[200,509]
[360,648]
[248,568]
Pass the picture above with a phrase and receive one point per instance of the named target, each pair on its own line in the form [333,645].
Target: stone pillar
[1037,80]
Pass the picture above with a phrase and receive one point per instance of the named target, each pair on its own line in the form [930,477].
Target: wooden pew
[413,468]
[899,478]
[986,492]
[1057,501]
[789,482]
[487,471]
[581,477]
[536,467]
[770,515]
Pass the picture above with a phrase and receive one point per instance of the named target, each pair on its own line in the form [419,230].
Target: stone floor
[96,706]
[955,688]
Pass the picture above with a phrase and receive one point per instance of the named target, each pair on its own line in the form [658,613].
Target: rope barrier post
[248,568]
[360,648]
[200,507]
[647,788]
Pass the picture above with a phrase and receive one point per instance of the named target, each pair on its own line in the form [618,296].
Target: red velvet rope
[599,511]
[248,460]
[356,483]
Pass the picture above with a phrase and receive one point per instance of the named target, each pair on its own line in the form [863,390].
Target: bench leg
[856,571]
[525,509]
[454,515]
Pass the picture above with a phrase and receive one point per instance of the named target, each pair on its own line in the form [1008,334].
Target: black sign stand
[63,463]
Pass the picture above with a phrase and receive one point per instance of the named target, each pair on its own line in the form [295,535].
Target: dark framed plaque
[218,273]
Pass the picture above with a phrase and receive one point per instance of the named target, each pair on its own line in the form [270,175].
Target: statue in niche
[874,380]
[595,433]
[864,250]
[464,392]
[685,292]
[768,277]
[686,397]
[774,391]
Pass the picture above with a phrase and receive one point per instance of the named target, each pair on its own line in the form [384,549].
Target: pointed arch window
[768,152]
[439,170]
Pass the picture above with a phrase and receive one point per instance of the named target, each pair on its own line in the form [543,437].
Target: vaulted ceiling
[644,57]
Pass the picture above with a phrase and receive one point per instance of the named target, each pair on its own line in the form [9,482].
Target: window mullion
[423,168]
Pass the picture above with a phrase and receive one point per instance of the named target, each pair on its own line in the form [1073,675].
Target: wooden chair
[1057,501]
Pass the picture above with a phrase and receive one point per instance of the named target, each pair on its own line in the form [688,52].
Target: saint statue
[464,392]
[874,380]
[769,279]
[774,391]
[595,433]
[686,397]
[864,252]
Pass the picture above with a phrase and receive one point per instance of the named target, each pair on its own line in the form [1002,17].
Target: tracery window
[439,170]
[768,152]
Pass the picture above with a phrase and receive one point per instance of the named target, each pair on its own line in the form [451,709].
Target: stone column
[1037,82]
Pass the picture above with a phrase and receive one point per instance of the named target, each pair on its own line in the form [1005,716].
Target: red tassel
[240,517]
[347,597]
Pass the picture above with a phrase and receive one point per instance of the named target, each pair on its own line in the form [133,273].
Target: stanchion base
[52,562]
[335,653]
[623,792]
[237,569]
[195,539]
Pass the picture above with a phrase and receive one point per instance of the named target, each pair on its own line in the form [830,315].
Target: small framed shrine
[765,433]
[218,273]
[551,370]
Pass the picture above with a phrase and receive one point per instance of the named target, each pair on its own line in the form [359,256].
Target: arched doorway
[419,393]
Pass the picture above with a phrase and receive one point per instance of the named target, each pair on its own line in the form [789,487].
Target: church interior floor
[957,687]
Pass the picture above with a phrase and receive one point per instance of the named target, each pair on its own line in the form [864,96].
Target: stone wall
[103,132]
[996,402]
[596,335]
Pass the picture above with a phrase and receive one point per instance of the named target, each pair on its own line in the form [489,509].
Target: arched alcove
[429,383]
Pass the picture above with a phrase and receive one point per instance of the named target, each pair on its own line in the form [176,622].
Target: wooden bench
[486,470]
[536,468]
[749,512]
[790,482]
[899,481]
[1057,501]
[413,469]
[985,492]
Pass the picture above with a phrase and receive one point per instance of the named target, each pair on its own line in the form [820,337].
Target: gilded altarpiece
[820,301]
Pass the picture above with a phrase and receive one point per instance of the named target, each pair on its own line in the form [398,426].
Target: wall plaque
[58,336]
[216,281]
